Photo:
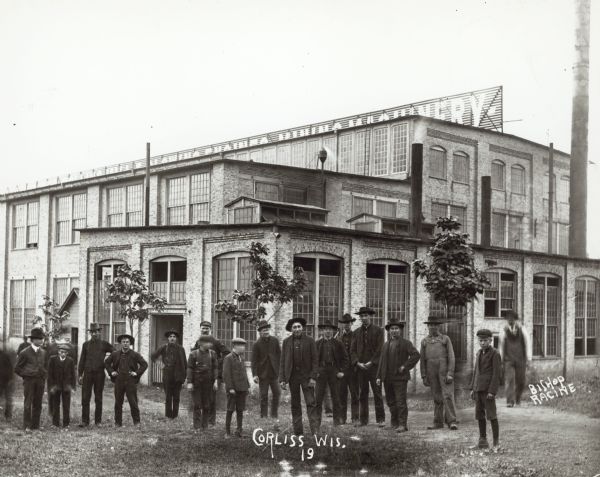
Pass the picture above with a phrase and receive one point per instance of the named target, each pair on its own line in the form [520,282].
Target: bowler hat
[37,333]
[346,318]
[94,327]
[262,324]
[239,341]
[327,324]
[291,321]
[484,333]
[171,332]
[511,314]
[394,322]
[365,310]
[434,320]
[206,323]
[125,335]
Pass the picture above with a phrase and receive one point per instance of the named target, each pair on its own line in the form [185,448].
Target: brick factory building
[355,227]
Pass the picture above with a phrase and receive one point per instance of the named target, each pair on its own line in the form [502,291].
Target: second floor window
[168,276]
[517,180]
[71,214]
[22,306]
[459,212]
[366,205]
[125,206]
[507,230]
[437,162]
[500,295]
[266,191]
[193,190]
[498,176]
[25,225]
[460,168]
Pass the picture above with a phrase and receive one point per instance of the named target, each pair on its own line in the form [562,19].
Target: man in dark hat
[266,355]
[202,368]
[484,386]
[237,385]
[31,366]
[515,352]
[333,360]
[174,362]
[348,384]
[7,383]
[92,373]
[221,351]
[61,383]
[398,357]
[366,350]
[437,371]
[125,368]
[298,367]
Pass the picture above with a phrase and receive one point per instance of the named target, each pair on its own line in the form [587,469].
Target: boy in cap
[126,367]
[266,354]
[174,364]
[236,385]
[202,368]
[61,383]
[398,357]
[349,382]
[484,386]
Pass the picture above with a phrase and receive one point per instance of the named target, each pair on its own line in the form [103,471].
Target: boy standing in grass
[236,384]
[484,386]
[202,370]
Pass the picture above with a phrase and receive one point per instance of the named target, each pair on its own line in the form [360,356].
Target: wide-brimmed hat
[391,323]
[262,324]
[484,333]
[291,321]
[511,313]
[240,341]
[37,333]
[172,332]
[365,310]
[435,320]
[94,327]
[206,323]
[346,318]
[125,335]
[327,324]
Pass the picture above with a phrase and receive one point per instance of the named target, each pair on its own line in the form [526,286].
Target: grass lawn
[536,441]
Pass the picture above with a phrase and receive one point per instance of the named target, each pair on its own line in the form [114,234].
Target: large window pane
[437,163]
[460,170]
[498,175]
[380,147]
[399,148]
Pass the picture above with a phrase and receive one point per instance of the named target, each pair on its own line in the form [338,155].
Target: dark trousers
[126,387]
[65,397]
[212,412]
[33,392]
[328,379]
[366,378]
[92,380]
[263,387]
[395,395]
[514,381]
[349,385]
[172,393]
[298,383]
[202,397]
[7,391]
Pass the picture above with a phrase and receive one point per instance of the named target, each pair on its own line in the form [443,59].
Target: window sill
[24,248]
[461,183]
[592,356]
[439,178]
[546,358]
[499,190]
[520,194]
[66,244]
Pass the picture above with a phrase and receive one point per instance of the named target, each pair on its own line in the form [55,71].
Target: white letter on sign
[457,109]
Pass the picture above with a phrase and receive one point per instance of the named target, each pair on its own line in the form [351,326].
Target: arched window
[388,290]
[498,175]
[586,316]
[501,295]
[460,167]
[322,298]
[168,277]
[232,271]
[517,179]
[546,315]
[437,162]
[106,314]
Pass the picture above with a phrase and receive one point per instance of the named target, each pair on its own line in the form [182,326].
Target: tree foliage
[51,320]
[451,276]
[134,300]
[267,287]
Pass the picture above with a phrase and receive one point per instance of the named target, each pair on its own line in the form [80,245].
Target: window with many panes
[498,229]
[298,154]
[380,150]
[518,182]
[294,195]
[440,209]
[188,199]
[387,290]
[232,271]
[437,162]
[546,315]
[380,207]
[563,191]
[460,167]
[243,215]
[322,298]
[507,230]
[106,314]
[363,152]
[345,152]
[399,148]
[71,213]
[125,206]
[266,191]
[200,198]
[501,295]
[22,306]
[168,276]
[498,175]
[25,225]
[455,328]
[586,316]
[176,200]
[560,238]
[61,288]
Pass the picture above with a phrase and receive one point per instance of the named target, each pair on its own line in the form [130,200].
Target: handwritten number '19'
[310,453]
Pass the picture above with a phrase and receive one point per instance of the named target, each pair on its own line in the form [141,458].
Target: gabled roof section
[274,203]
[73,294]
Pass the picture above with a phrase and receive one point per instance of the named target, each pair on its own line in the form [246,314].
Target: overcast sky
[86,84]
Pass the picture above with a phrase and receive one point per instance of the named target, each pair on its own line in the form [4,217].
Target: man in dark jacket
[236,385]
[266,355]
[92,373]
[7,383]
[173,373]
[333,360]
[366,349]
[24,344]
[398,357]
[298,367]
[31,366]
[514,350]
[349,382]
[202,371]
[61,383]
[484,387]
[125,368]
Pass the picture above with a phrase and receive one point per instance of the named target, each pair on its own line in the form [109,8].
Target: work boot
[435,426]
[483,443]
[401,429]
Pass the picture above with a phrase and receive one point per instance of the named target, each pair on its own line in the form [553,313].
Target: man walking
[61,383]
[349,382]
[333,360]
[174,364]
[298,368]
[366,350]
[92,374]
[126,367]
[398,357]
[266,355]
[437,371]
[31,366]
[515,352]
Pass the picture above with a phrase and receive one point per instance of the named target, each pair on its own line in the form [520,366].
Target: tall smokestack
[147,188]
[416,189]
[579,133]
[551,199]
